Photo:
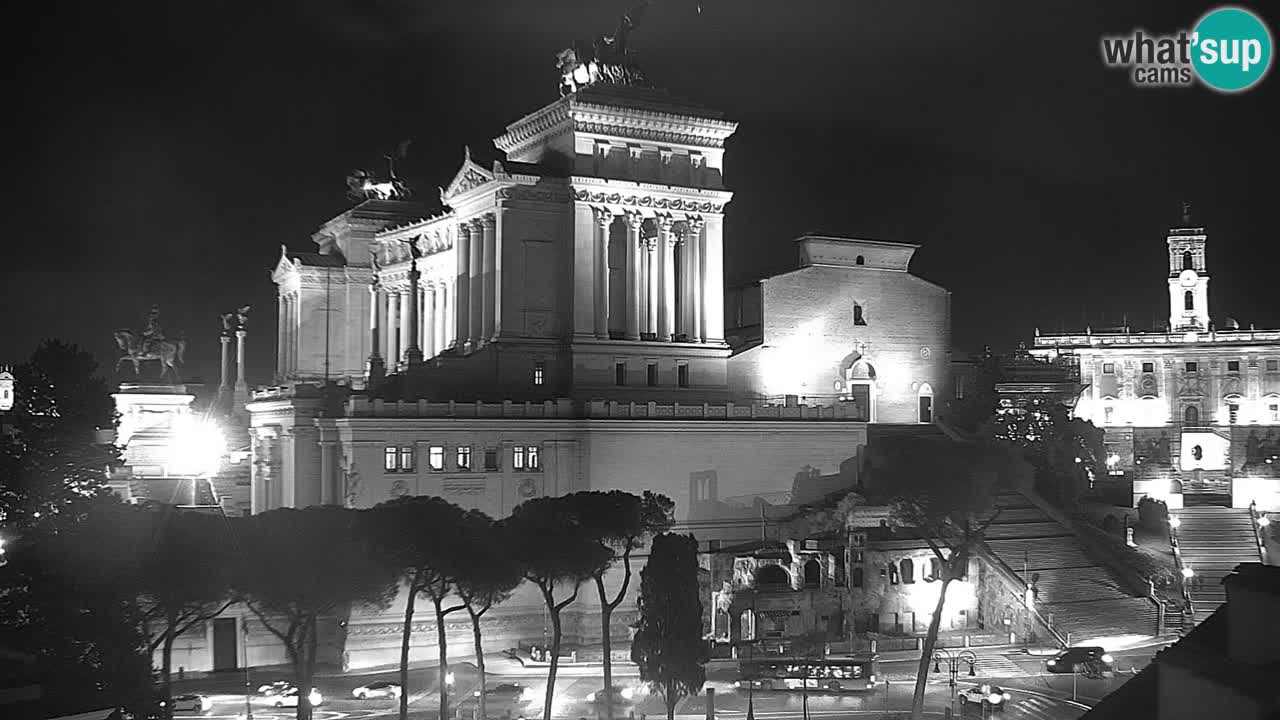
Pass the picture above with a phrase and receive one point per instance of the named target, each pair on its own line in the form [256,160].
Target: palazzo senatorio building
[1191,411]
[560,323]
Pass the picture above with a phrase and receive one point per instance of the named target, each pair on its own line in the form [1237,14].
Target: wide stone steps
[1026,530]
[1213,541]
[1039,554]
[1070,585]
[1103,618]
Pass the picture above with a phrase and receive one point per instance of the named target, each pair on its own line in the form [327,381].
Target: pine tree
[668,646]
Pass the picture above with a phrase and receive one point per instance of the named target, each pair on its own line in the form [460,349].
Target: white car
[381,688]
[192,702]
[990,696]
[289,699]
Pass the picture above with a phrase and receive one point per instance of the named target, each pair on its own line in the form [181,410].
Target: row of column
[650,300]
[393,312]
[287,337]
[477,281]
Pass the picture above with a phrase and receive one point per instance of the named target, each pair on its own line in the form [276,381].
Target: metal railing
[1255,519]
[1182,577]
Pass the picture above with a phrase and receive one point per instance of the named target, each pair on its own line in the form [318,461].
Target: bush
[1153,515]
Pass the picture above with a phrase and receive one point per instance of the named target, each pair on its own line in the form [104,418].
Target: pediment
[470,176]
[284,266]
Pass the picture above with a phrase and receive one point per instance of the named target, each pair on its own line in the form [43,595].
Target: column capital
[665,223]
[649,243]
[604,217]
[487,221]
[694,223]
[464,227]
[634,220]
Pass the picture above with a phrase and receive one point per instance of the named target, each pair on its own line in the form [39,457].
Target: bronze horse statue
[136,350]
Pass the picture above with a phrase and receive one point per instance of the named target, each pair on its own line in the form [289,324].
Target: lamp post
[954,660]
[248,708]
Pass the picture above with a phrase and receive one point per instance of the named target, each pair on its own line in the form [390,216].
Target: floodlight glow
[1112,460]
[1263,521]
[196,447]
[1187,572]
[1175,522]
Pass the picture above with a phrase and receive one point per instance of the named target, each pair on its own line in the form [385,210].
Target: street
[1034,693]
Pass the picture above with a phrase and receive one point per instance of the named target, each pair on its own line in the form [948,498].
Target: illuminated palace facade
[1191,410]
[562,325]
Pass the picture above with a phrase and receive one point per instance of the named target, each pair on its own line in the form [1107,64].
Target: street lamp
[196,448]
[953,661]
[1175,522]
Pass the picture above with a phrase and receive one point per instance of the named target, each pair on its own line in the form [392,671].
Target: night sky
[162,152]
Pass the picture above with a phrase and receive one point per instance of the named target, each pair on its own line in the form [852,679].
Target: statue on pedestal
[606,59]
[363,185]
[151,344]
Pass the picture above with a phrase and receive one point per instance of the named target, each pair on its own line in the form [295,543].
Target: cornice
[659,200]
[534,125]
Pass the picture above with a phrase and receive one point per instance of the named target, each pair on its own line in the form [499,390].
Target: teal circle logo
[1231,49]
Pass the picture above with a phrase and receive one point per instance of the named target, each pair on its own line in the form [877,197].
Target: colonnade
[392,315]
[287,329]
[659,302]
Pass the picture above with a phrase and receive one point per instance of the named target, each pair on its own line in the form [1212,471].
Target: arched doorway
[925,403]
[1191,415]
[772,575]
[813,573]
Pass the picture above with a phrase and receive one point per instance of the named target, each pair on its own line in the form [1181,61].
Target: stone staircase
[1077,595]
[1213,540]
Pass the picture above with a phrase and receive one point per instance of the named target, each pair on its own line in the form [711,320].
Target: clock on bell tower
[1188,278]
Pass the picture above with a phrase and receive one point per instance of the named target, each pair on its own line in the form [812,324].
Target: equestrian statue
[151,344]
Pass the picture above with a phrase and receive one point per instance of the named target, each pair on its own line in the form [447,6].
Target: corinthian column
[413,351]
[376,369]
[462,296]
[429,345]
[634,221]
[604,219]
[280,325]
[488,323]
[475,320]
[693,236]
[241,394]
[406,326]
[667,279]
[652,269]
[393,317]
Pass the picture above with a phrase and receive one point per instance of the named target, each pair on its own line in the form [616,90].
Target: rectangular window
[1148,367]
[1107,413]
[1273,365]
[539,373]
[1233,413]
[435,457]
[1108,368]
[490,459]
[960,380]
[682,375]
[1193,366]
[1233,366]
[407,459]
[653,375]
[620,374]
[531,455]
[1274,411]
[464,457]
[389,458]
[517,457]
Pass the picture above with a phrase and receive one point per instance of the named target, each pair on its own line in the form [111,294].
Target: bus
[835,674]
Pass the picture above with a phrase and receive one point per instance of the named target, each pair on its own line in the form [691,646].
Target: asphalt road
[1035,693]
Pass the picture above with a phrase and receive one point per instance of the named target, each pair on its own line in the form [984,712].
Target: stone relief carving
[350,482]
[647,201]
[399,488]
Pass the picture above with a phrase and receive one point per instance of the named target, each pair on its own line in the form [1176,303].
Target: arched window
[1188,300]
[772,575]
[1188,262]
[856,577]
[813,573]
[935,569]
[925,403]
[857,316]
[908,570]
[859,260]
[1191,415]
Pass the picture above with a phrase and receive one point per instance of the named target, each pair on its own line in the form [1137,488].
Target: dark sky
[163,151]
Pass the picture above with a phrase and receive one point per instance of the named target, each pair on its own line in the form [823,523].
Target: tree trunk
[166,665]
[555,657]
[926,652]
[606,645]
[404,648]
[672,700]
[444,660]
[475,634]
[306,674]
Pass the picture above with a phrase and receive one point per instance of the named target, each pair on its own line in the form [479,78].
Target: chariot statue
[151,344]
[605,59]
[363,185]
[235,320]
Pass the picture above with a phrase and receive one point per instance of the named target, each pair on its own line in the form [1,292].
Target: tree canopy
[668,645]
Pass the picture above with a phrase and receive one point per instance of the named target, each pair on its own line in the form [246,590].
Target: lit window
[1107,414]
[539,370]
[490,459]
[1233,413]
[1274,411]
[389,459]
[653,374]
[531,454]
[620,374]
[1233,366]
[407,459]
[1148,367]
[1273,365]
[1193,366]
[908,570]
[858,319]
[1108,368]
[682,375]
[464,457]
[517,457]
[435,457]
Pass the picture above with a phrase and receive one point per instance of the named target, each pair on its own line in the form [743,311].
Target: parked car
[988,696]
[512,692]
[622,698]
[381,688]
[192,702]
[289,698]
[1085,659]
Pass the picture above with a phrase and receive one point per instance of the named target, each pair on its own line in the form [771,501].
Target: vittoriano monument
[605,59]
[151,344]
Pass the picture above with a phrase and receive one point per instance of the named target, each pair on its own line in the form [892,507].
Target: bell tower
[1188,276]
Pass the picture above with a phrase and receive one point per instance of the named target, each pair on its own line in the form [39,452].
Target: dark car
[1088,660]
